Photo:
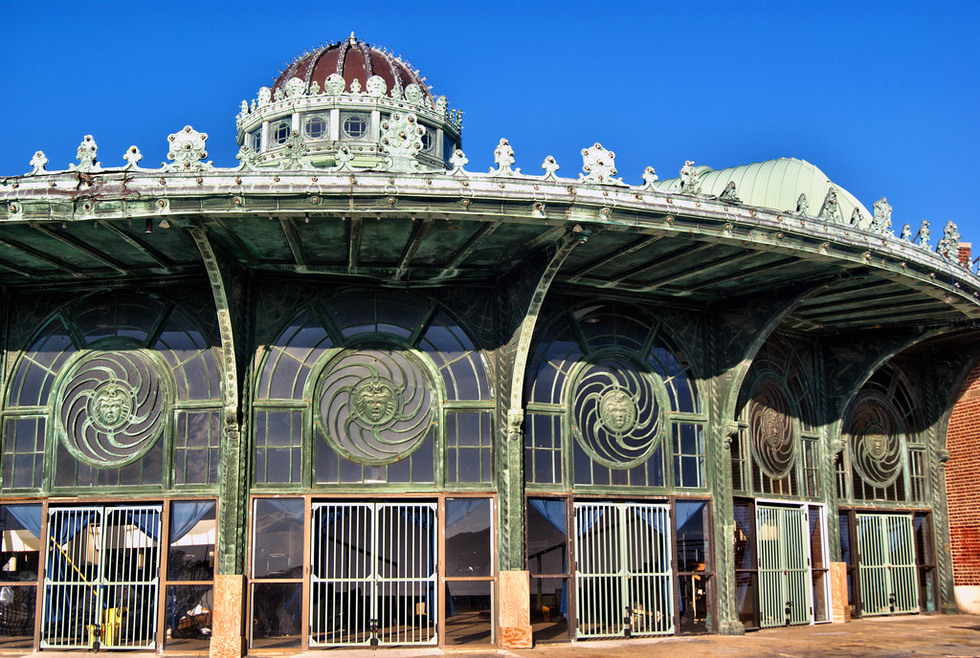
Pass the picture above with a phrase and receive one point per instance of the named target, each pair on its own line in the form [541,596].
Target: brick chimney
[964,256]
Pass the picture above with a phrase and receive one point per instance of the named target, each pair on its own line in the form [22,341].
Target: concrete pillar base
[731,628]
[515,610]
[227,613]
[967,599]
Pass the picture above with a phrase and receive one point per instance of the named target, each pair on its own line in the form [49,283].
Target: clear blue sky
[883,96]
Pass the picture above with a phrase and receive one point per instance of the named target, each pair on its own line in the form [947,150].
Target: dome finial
[352,38]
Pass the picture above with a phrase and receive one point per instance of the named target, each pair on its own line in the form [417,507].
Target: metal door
[101,577]
[623,580]
[785,594]
[886,564]
[373,574]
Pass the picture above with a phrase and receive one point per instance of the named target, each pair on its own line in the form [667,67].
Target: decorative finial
[550,166]
[503,156]
[132,156]
[87,152]
[38,162]
[401,138]
[649,178]
[856,218]
[728,194]
[457,160]
[187,150]
[802,205]
[831,208]
[598,166]
[924,235]
[352,39]
[949,244]
[882,220]
[690,184]
[906,233]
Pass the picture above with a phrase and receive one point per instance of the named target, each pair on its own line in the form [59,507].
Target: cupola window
[315,127]
[355,126]
[281,133]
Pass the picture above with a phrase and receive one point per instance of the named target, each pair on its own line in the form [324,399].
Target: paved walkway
[916,635]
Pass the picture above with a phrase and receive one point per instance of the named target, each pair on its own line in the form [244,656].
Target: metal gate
[785,594]
[623,580]
[101,577]
[886,564]
[373,574]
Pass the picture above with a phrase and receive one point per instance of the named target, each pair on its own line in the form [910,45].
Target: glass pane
[17,606]
[694,617]
[923,539]
[277,609]
[188,617]
[927,590]
[547,539]
[744,549]
[845,539]
[692,545]
[549,609]
[469,610]
[20,526]
[820,608]
[277,539]
[816,538]
[192,535]
[745,598]
[468,541]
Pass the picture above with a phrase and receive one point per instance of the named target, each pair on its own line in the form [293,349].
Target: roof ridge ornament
[949,245]
[598,166]
[830,211]
[132,156]
[88,152]
[649,177]
[924,234]
[906,233]
[802,205]
[729,194]
[187,150]
[38,162]
[881,222]
[457,161]
[550,166]
[690,183]
[503,157]
[401,139]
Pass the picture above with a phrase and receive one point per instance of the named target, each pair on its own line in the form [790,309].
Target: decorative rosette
[772,430]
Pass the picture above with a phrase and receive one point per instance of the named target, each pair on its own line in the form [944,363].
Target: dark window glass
[277,610]
[469,545]
[192,536]
[277,538]
[692,544]
[188,617]
[469,612]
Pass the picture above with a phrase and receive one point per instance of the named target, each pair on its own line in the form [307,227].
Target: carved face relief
[617,411]
[112,404]
[771,427]
[877,445]
[374,402]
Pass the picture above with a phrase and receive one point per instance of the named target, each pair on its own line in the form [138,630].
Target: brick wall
[963,482]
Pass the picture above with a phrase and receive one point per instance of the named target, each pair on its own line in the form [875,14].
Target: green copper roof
[775,184]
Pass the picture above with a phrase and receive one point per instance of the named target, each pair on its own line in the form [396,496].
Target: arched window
[124,389]
[365,387]
[610,401]
[884,455]
[777,446]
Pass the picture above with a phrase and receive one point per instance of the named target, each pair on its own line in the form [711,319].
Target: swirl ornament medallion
[618,406]
[375,405]
[876,440]
[111,407]
[772,429]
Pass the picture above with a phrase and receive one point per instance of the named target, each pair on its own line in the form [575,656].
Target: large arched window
[884,451]
[367,387]
[611,402]
[118,390]
[777,446]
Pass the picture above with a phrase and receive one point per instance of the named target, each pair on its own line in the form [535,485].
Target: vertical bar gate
[102,577]
[886,564]
[785,593]
[624,571]
[373,574]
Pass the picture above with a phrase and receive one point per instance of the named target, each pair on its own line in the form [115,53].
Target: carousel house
[351,393]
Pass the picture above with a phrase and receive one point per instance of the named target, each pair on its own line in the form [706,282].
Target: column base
[227,640]
[731,628]
[515,611]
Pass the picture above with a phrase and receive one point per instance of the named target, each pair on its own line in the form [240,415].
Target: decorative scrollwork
[111,407]
[376,405]
[772,430]
[876,440]
[618,409]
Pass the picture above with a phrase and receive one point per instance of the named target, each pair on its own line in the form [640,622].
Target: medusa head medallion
[772,429]
[110,407]
[876,440]
[618,405]
[375,405]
